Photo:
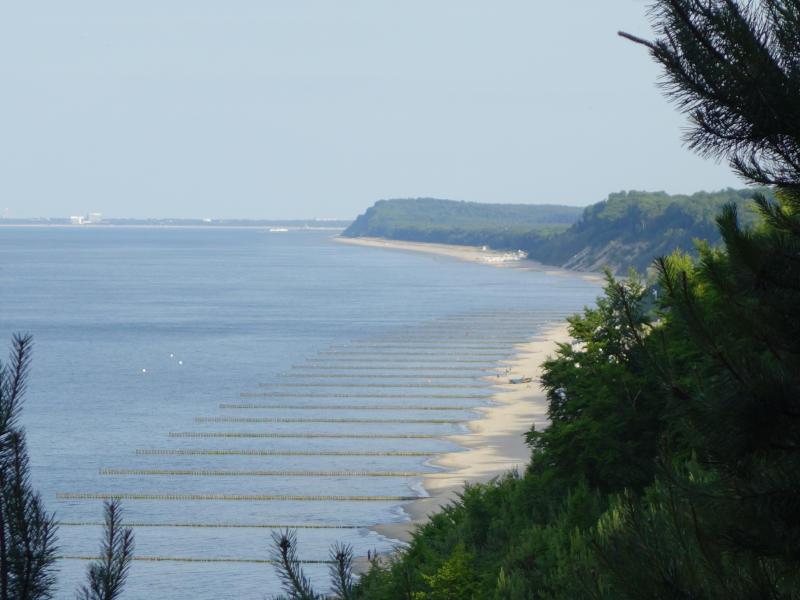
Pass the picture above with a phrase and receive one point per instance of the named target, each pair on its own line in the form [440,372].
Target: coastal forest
[624,231]
[501,226]
[671,466]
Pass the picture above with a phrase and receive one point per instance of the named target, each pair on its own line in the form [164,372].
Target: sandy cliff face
[615,255]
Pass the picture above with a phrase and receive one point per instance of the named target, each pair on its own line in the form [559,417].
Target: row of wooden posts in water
[465,350]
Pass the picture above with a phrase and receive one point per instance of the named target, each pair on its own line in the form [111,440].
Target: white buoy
[171,355]
[180,362]
[144,370]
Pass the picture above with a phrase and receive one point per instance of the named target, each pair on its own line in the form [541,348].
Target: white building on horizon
[92,217]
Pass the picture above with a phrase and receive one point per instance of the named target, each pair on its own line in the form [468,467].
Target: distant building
[93,217]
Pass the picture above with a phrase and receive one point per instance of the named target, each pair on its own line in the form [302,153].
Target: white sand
[476,254]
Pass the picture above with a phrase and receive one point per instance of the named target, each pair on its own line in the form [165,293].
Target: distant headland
[627,230]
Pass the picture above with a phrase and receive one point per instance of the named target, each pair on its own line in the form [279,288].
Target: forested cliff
[629,229]
[626,230]
[501,226]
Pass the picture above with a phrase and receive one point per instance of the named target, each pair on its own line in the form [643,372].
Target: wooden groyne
[342,407]
[217,434]
[373,396]
[204,473]
[380,386]
[319,420]
[211,525]
[232,452]
[238,497]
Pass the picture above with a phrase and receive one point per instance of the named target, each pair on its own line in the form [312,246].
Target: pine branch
[294,581]
[733,69]
[342,570]
[27,531]
[107,575]
[13,381]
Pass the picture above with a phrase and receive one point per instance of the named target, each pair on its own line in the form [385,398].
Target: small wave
[417,486]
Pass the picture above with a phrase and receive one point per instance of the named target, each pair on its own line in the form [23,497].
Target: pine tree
[107,575]
[294,581]
[733,67]
[27,531]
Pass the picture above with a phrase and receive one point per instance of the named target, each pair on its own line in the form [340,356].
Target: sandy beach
[495,258]
[496,442]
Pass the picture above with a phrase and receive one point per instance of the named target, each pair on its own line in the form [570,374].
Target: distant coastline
[262,228]
[289,224]
[627,230]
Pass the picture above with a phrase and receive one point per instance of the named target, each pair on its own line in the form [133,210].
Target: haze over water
[141,334]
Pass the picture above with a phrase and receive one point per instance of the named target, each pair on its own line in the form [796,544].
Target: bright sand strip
[496,443]
[476,254]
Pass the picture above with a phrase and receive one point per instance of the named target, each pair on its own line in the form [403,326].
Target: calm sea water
[144,338]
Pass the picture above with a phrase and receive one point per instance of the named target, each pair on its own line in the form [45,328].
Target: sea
[228,384]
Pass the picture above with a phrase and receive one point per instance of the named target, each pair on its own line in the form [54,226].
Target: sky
[316,109]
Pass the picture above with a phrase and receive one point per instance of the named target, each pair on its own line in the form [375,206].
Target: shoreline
[493,258]
[495,443]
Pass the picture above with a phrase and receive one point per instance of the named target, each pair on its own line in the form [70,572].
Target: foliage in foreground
[28,542]
[106,576]
[295,583]
[672,465]
[671,468]
[27,531]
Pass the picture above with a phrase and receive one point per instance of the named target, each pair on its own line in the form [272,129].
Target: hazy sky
[262,109]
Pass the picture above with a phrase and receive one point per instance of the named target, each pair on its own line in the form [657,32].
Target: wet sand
[496,443]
